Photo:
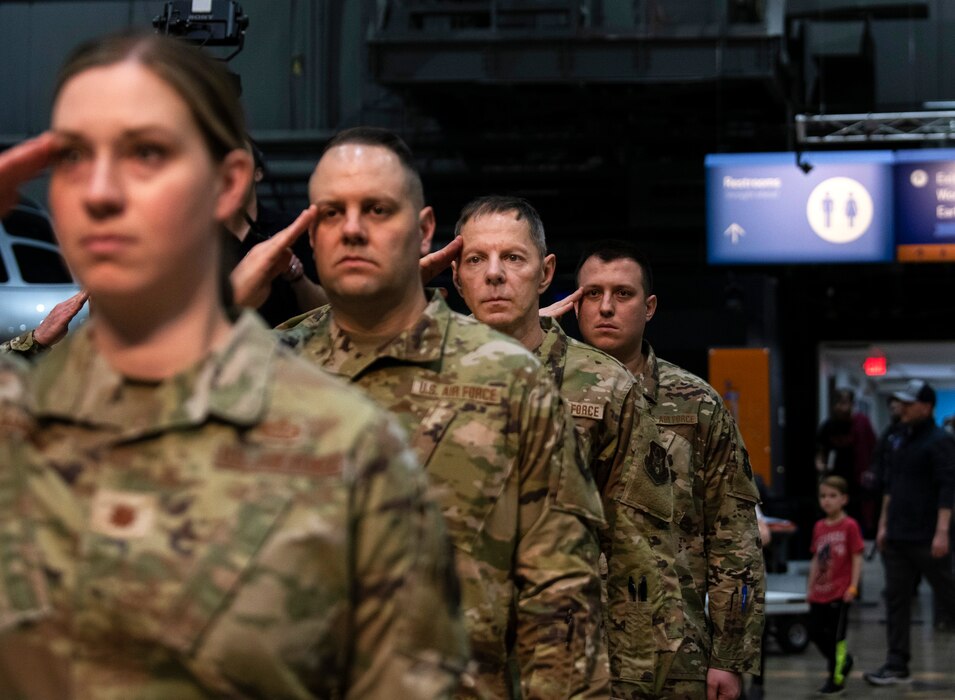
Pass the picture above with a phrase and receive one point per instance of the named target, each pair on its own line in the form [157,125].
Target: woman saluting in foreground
[195,513]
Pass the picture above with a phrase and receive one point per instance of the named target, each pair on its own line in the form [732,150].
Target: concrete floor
[933,653]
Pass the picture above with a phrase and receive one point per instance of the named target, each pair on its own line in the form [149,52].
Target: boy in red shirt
[833,580]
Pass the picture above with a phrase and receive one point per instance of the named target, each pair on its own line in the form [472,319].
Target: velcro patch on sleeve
[123,515]
[583,409]
[678,419]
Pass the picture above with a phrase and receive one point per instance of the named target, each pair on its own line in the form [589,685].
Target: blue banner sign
[764,208]
[925,205]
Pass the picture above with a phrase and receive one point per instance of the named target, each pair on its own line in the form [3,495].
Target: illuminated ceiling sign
[875,366]
[925,205]
[762,208]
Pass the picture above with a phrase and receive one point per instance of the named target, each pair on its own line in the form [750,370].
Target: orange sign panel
[741,376]
[934,252]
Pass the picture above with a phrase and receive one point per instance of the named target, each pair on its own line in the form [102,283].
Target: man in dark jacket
[913,528]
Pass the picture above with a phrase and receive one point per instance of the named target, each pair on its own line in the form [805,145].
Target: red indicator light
[874,366]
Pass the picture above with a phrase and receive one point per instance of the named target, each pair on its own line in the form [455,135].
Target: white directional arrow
[735,232]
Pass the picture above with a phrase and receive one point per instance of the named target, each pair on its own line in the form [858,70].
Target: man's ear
[651,306]
[235,179]
[427,225]
[547,273]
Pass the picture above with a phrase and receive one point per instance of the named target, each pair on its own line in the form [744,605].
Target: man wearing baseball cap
[913,528]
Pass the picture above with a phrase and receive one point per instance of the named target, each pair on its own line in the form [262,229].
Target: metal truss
[875,127]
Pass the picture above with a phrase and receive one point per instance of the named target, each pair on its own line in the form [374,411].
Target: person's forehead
[622,271]
[112,94]
[356,165]
[496,228]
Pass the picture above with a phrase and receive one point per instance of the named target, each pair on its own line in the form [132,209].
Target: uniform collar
[649,379]
[75,384]
[332,347]
[552,352]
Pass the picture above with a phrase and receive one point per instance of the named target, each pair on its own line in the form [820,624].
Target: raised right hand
[21,163]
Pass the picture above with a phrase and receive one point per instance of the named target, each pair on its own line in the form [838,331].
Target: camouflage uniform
[621,443]
[714,510]
[223,533]
[522,510]
[14,424]
[24,345]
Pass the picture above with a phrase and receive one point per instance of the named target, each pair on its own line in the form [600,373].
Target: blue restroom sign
[763,208]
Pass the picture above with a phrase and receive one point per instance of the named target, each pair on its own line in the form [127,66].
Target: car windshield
[40,265]
[24,223]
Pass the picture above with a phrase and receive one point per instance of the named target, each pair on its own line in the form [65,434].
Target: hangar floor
[790,676]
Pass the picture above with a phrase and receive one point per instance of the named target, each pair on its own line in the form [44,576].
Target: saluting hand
[53,328]
[433,264]
[559,308]
[21,163]
[252,277]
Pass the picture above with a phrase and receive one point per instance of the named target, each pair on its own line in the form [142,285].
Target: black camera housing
[224,23]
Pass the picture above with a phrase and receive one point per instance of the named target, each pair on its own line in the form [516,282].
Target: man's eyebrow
[381,198]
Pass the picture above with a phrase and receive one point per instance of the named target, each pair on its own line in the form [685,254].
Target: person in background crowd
[503,269]
[833,581]
[713,485]
[914,527]
[190,510]
[483,416]
[873,481]
[844,446]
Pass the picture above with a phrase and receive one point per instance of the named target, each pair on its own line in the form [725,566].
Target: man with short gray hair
[502,270]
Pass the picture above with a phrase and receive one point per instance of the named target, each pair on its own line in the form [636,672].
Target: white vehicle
[33,276]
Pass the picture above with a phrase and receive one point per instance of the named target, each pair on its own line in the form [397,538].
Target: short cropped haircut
[837,483]
[500,204]
[375,136]
[610,250]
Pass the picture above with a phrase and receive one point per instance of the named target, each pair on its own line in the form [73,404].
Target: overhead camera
[205,23]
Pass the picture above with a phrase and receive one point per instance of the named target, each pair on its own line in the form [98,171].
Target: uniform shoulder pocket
[432,428]
[743,485]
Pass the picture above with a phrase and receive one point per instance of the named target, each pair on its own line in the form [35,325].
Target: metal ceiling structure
[875,127]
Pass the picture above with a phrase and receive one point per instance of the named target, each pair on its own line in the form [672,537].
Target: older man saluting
[502,270]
